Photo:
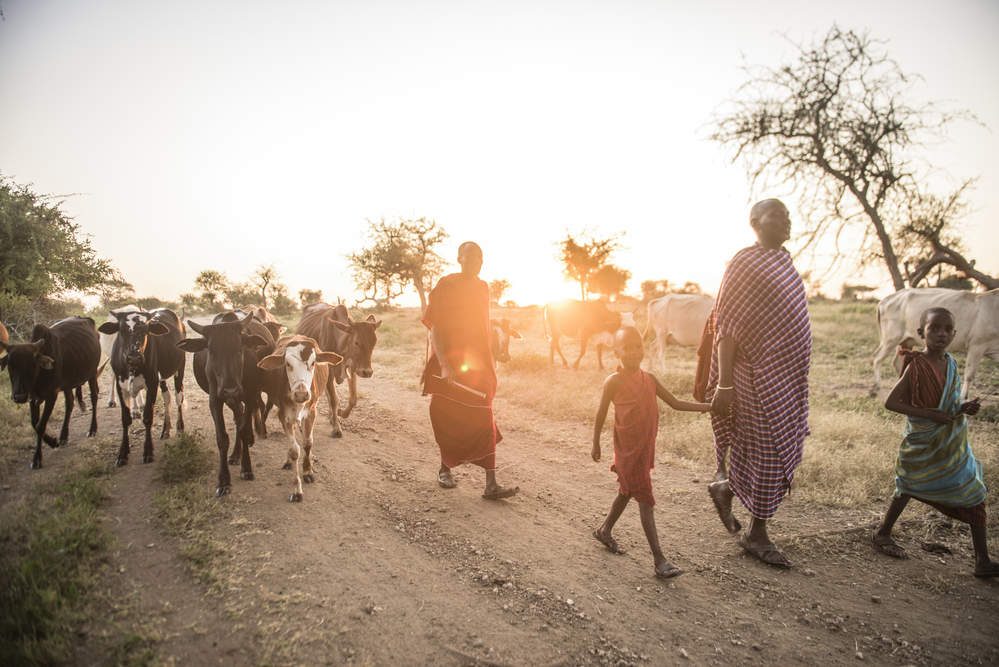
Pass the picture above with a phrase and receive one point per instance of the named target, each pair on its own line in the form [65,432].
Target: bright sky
[228,135]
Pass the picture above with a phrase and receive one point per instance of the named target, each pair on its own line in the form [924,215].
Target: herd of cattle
[240,356]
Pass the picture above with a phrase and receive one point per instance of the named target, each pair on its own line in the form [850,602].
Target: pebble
[684,654]
[858,655]
[876,599]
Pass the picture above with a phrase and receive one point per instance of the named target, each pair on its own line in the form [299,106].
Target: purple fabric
[763,306]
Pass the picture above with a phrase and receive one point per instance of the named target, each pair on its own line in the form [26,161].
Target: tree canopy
[400,254]
[583,256]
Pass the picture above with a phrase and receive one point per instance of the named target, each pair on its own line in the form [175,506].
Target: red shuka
[463,423]
[636,425]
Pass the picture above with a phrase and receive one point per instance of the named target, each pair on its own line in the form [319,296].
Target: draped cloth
[636,425]
[463,422]
[762,305]
[935,462]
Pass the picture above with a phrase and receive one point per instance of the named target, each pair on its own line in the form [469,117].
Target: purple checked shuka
[762,305]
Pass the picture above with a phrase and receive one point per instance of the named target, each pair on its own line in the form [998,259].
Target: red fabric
[464,425]
[636,425]
[925,379]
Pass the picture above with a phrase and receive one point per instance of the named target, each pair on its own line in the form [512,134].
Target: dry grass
[848,458]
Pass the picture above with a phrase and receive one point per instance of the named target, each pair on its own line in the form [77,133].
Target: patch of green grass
[183,459]
[51,546]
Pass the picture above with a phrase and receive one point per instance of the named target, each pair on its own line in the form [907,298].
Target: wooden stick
[474,392]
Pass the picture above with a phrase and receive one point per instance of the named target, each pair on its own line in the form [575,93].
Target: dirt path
[380,566]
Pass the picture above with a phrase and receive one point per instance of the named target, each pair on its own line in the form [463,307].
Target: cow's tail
[648,334]
[548,326]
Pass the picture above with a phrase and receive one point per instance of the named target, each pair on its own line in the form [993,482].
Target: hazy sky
[233,134]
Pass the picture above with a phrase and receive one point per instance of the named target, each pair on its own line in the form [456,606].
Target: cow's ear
[109,328]
[46,362]
[157,328]
[515,334]
[271,362]
[331,358]
[341,326]
[193,345]
[374,322]
[275,328]
[253,340]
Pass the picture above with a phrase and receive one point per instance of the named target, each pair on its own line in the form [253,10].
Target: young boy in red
[636,424]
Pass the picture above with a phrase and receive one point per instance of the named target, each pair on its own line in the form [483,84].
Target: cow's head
[360,343]
[24,362]
[299,359]
[134,329]
[224,343]
[500,333]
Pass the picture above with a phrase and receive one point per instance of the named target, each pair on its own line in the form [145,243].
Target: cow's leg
[558,348]
[222,442]
[975,355]
[584,339]
[40,434]
[885,349]
[94,392]
[148,411]
[307,423]
[287,417]
[352,398]
[178,387]
[238,414]
[36,461]
[64,431]
[260,418]
[251,409]
[263,415]
[126,420]
[165,433]
[331,393]
[112,394]
[295,458]
[79,398]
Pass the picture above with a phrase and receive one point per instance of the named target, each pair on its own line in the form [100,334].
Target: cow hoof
[308,478]
[165,434]
[91,433]
[222,491]
[50,441]
[286,466]
[122,460]
[147,458]
[35,465]
[295,498]
[337,434]
[248,476]
[342,414]
[233,460]
[62,442]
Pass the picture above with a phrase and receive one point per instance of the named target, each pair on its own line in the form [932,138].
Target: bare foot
[498,492]
[608,541]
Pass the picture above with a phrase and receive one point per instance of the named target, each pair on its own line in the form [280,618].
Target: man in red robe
[460,374]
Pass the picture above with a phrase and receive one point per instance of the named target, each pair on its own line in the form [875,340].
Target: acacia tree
[263,278]
[307,297]
[43,253]
[835,126]
[583,256]
[213,286]
[497,288]
[609,280]
[401,254]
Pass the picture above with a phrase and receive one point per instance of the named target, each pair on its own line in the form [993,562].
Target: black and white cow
[59,359]
[225,366]
[145,355]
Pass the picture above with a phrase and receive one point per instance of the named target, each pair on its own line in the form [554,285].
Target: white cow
[976,321]
[678,319]
[136,392]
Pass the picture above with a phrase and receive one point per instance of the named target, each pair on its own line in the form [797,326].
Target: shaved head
[760,209]
[470,258]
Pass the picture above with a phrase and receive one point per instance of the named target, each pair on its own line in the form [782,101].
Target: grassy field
[848,459]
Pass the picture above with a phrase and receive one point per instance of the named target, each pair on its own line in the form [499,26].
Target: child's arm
[610,388]
[898,401]
[677,404]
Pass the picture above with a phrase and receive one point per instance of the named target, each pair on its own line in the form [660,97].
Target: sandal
[609,542]
[667,571]
[766,553]
[445,480]
[889,547]
[721,496]
[501,492]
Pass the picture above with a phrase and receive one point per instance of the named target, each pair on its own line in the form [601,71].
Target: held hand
[446,373]
[971,407]
[595,452]
[721,404]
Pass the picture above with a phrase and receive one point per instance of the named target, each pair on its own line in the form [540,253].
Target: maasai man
[460,374]
[758,380]
[935,462]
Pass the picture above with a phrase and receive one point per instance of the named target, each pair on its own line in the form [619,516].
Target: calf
[295,392]
[335,331]
[134,394]
[60,358]
[145,354]
[225,366]
[500,333]
[579,319]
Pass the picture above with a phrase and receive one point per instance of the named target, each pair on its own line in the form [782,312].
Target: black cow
[500,333]
[60,358]
[335,331]
[145,352]
[580,319]
[225,366]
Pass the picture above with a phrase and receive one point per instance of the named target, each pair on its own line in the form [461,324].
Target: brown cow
[295,392]
[580,319]
[354,340]
[500,333]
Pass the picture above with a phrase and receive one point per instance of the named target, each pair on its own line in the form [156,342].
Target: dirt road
[380,566]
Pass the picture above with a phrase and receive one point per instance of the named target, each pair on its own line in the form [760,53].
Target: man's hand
[595,452]
[446,373]
[721,404]
[940,417]
[971,407]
